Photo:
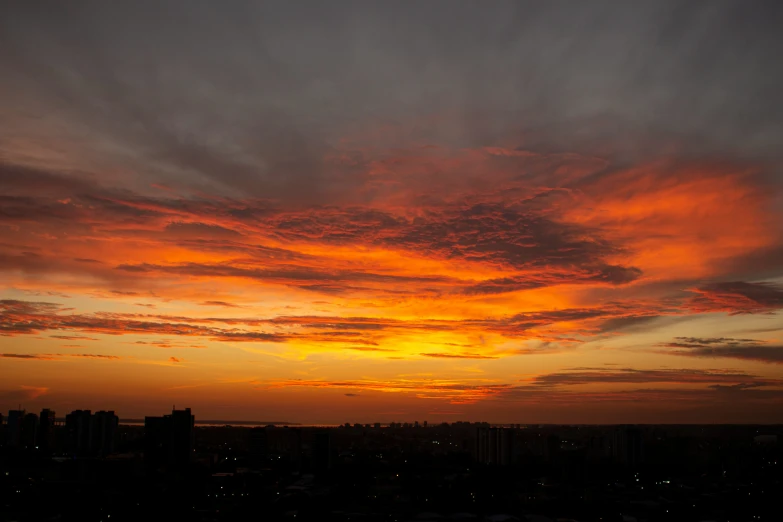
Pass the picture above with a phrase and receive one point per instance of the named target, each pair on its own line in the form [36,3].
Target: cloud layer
[341,197]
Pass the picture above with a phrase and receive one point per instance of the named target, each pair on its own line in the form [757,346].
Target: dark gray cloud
[320,280]
[613,275]
[23,356]
[254,98]
[457,356]
[745,349]
[738,297]
[219,303]
[199,231]
[73,337]
[514,235]
[55,356]
[634,376]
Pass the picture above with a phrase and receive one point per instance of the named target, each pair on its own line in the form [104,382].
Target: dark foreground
[460,472]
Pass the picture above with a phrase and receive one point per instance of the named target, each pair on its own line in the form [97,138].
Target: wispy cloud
[724,347]
[23,393]
[570,386]
[457,356]
[56,356]
[737,298]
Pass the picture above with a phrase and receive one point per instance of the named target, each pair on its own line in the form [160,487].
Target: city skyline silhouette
[329,212]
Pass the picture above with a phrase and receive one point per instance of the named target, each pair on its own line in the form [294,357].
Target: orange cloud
[431,256]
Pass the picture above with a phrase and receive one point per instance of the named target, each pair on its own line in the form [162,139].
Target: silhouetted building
[29,430]
[46,425]
[628,446]
[598,447]
[572,463]
[495,446]
[13,429]
[293,445]
[552,450]
[88,434]
[169,439]
[156,441]
[78,432]
[103,432]
[182,437]
[322,451]
[259,442]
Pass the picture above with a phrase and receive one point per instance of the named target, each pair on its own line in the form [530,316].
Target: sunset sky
[329,212]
